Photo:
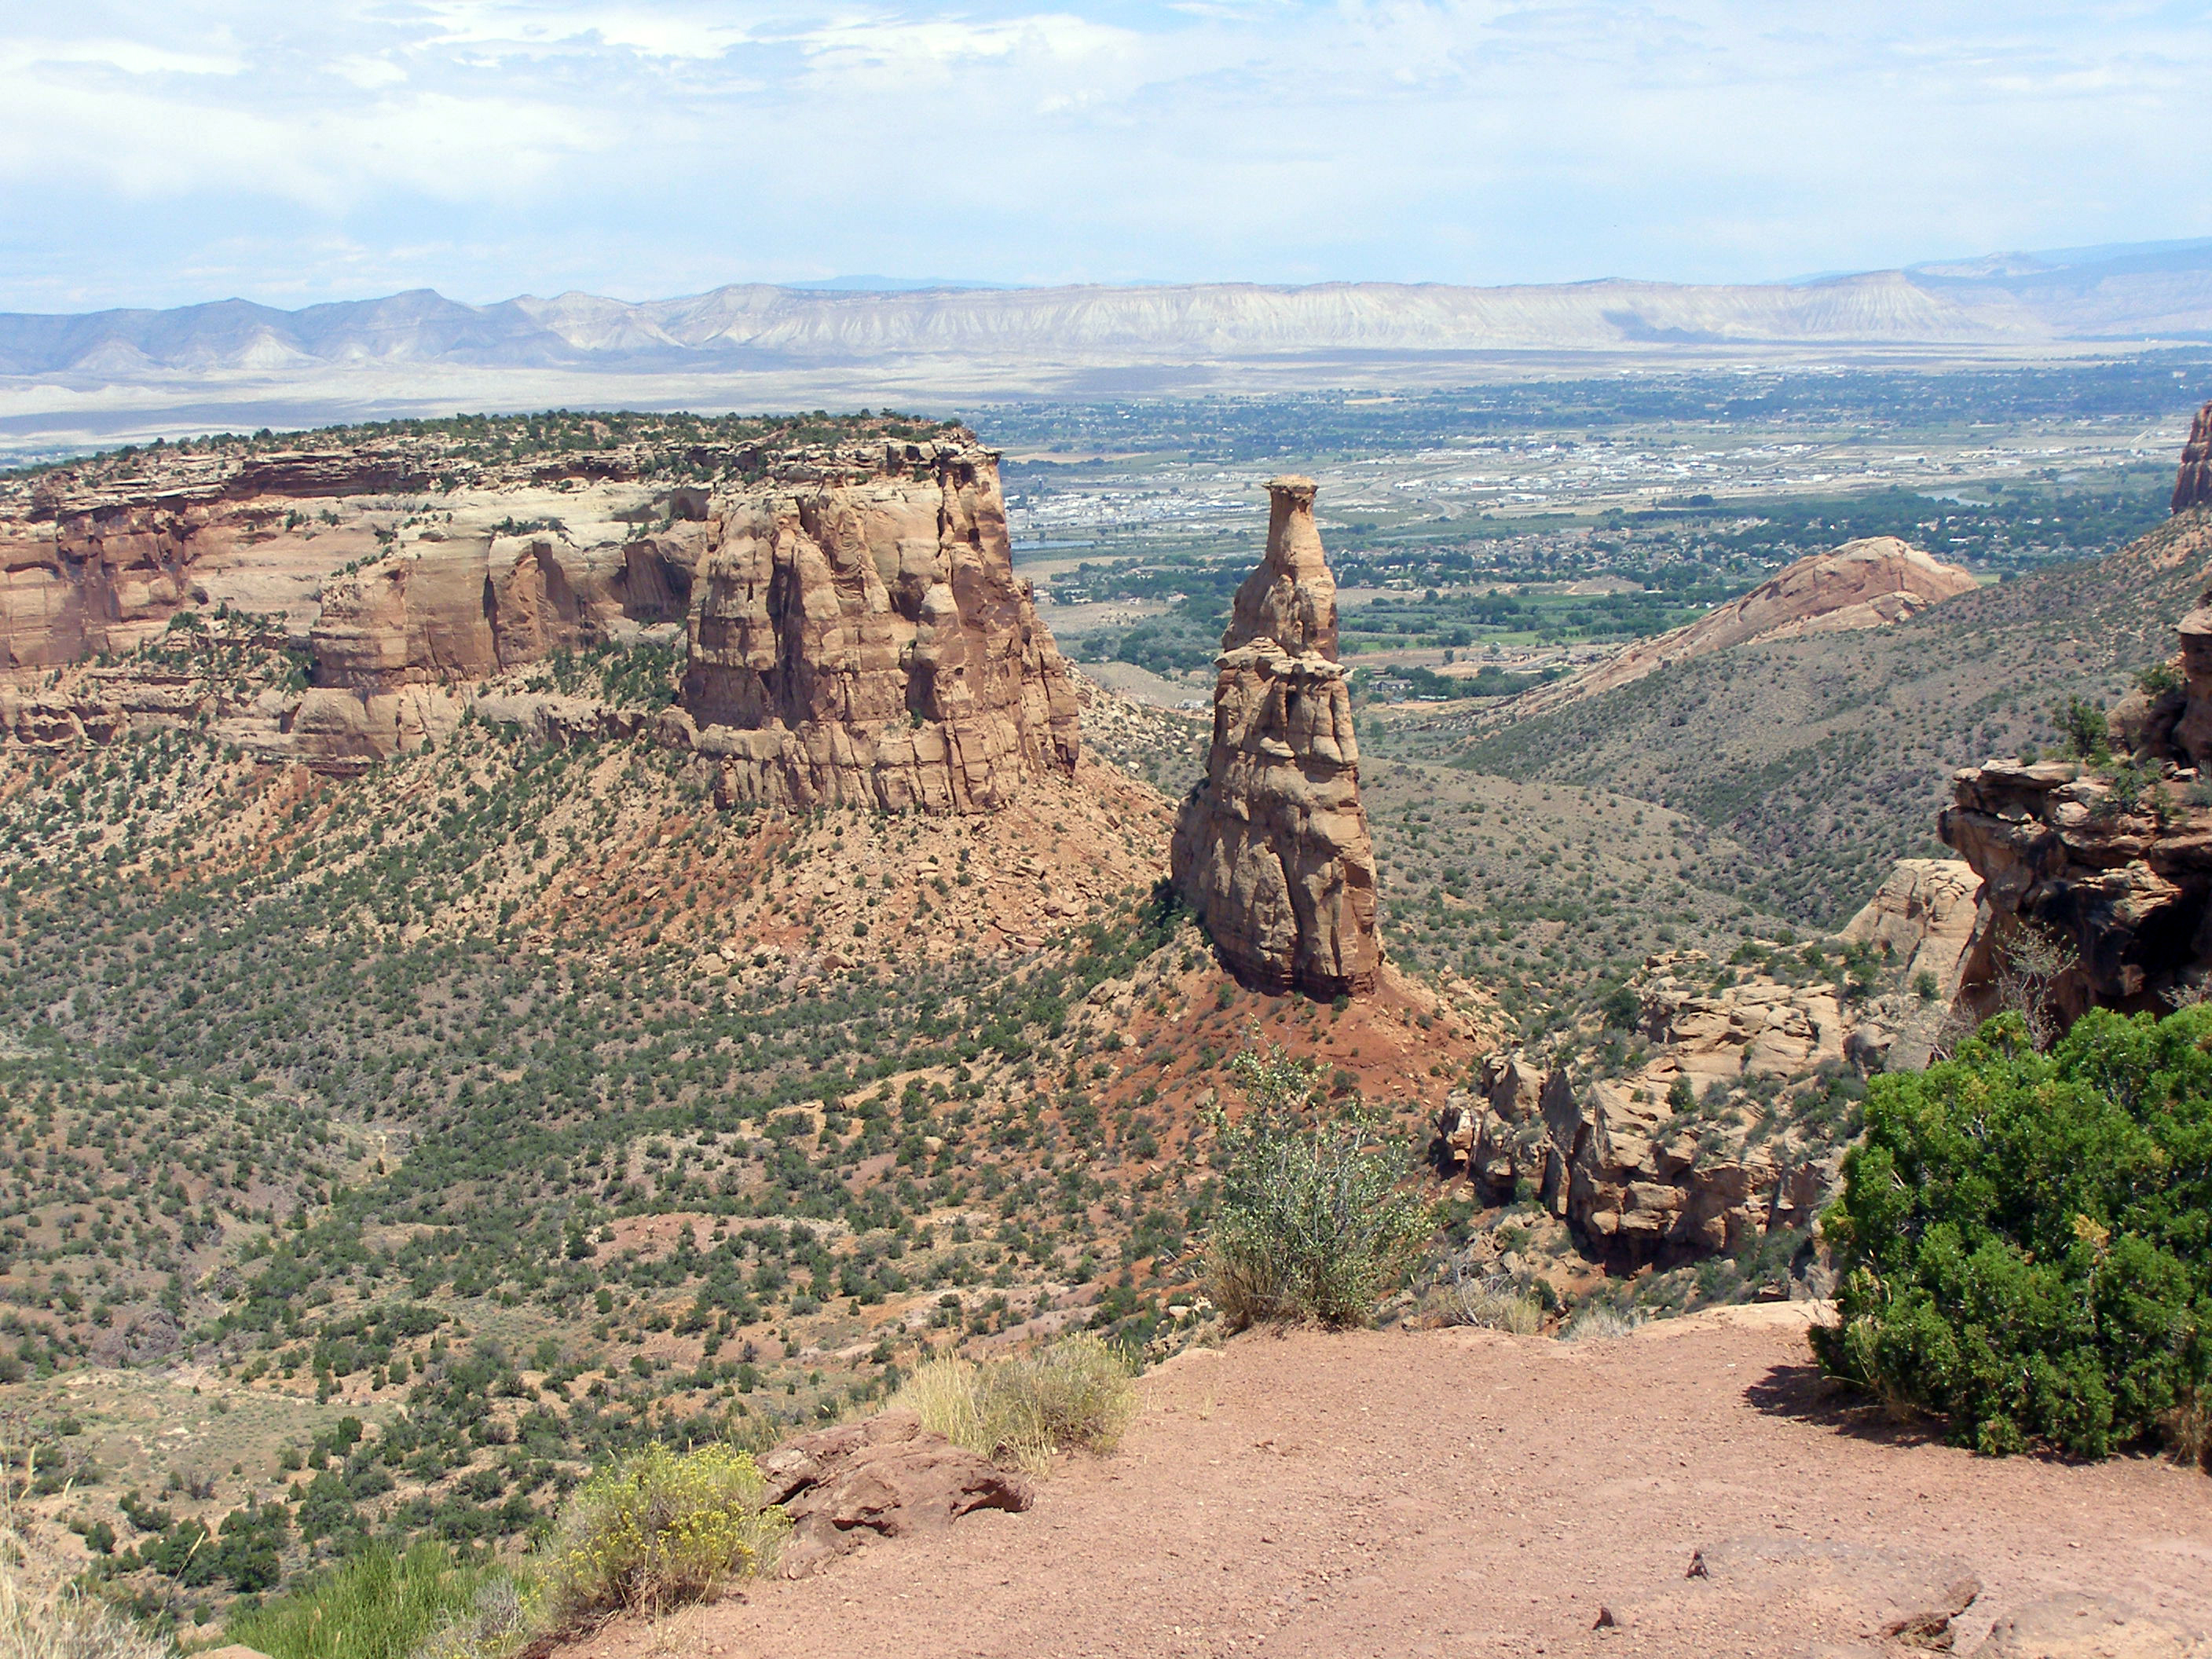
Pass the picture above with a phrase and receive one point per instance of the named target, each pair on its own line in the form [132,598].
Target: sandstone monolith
[1272,849]
[2192,488]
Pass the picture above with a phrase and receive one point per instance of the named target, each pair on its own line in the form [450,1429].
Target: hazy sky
[175,150]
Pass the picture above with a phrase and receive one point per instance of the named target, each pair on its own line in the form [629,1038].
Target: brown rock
[1922,916]
[1272,849]
[2193,486]
[885,1476]
[858,637]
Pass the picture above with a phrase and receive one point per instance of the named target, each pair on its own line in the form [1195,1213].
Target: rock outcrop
[1685,1155]
[883,1477]
[1272,849]
[2192,488]
[857,636]
[847,617]
[2117,873]
[1862,584]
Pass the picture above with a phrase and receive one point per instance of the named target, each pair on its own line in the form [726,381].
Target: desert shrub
[1599,1322]
[1313,1223]
[1078,1395]
[380,1605]
[2025,1238]
[659,1528]
[1496,1302]
[2087,734]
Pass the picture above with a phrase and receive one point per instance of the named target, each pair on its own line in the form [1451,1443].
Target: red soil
[1462,1492]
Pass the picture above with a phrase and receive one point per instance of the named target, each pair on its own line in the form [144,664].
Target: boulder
[1922,916]
[1272,849]
[883,1477]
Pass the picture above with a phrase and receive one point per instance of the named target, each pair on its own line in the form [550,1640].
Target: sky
[162,152]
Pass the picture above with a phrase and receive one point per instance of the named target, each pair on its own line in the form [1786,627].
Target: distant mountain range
[2161,292]
[72,383]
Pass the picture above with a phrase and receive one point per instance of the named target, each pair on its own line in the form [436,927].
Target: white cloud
[488,146]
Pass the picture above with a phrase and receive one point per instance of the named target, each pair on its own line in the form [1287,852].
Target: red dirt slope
[1460,1492]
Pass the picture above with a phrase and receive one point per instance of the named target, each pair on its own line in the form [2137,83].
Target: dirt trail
[1462,1492]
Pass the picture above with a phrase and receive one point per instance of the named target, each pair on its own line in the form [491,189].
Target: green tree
[2025,1238]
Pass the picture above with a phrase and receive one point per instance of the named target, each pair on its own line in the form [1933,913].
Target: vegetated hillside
[430,1133]
[1546,895]
[1824,758]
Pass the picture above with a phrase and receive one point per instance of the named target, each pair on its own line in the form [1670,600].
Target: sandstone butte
[1863,583]
[1272,849]
[853,628]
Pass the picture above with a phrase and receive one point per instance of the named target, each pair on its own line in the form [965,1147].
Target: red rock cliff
[857,636]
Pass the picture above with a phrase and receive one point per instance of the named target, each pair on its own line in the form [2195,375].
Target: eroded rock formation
[885,1476]
[857,636]
[1682,1155]
[1272,849]
[2192,488]
[848,615]
[2108,866]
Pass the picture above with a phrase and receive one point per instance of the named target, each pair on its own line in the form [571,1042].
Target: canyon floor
[1467,1493]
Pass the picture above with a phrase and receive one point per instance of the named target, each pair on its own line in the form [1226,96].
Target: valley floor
[1464,1493]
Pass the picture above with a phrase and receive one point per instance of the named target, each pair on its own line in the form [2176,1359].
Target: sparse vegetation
[659,1528]
[1316,1221]
[1076,1395]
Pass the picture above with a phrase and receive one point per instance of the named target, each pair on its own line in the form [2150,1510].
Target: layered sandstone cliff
[1272,849]
[846,613]
[857,636]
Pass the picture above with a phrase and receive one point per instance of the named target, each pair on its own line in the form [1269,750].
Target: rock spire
[1272,849]
[2193,487]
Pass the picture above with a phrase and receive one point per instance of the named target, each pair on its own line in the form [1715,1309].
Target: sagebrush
[659,1528]
[1315,1223]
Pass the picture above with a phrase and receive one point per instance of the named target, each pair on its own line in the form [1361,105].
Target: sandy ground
[1462,1492]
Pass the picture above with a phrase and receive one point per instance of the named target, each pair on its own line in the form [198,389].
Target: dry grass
[41,1617]
[1599,1323]
[1077,1395]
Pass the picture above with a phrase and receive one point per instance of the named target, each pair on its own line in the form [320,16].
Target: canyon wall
[858,637]
[1272,849]
[848,618]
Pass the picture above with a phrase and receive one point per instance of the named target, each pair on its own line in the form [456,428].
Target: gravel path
[1460,1492]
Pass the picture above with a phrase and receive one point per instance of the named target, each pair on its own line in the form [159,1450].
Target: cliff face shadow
[1802,1392]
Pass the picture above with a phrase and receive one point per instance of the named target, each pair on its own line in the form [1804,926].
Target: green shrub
[659,1528]
[1078,1395]
[1313,1223]
[377,1606]
[2025,1238]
